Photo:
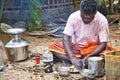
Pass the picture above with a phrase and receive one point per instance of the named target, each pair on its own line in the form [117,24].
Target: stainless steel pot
[16,48]
[17,54]
[96,64]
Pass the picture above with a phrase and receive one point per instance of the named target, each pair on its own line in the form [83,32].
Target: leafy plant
[35,15]
[75,4]
[1,9]
[100,2]
[119,24]
[117,43]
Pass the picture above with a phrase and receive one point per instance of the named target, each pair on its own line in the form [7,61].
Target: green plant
[117,43]
[1,9]
[119,24]
[100,2]
[35,15]
[75,4]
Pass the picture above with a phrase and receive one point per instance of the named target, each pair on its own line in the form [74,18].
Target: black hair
[88,6]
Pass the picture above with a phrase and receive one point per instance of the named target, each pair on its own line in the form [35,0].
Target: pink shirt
[82,33]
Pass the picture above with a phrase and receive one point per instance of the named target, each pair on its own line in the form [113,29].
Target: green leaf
[1,8]
[100,2]
[35,15]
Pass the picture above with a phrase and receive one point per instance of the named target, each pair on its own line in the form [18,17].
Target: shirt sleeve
[69,28]
[103,35]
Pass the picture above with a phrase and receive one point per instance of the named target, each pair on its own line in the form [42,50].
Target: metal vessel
[96,64]
[16,48]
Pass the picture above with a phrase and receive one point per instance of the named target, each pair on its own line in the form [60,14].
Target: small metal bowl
[63,70]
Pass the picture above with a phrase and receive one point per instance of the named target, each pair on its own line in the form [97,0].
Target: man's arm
[67,45]
[99,49]
[96,52]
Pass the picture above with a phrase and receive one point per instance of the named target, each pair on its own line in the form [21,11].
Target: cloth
[81,33]
[90,47]
[58,48]
[77,50]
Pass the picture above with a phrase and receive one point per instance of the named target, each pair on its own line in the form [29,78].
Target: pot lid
[15,30]
[95,58]
[14,44]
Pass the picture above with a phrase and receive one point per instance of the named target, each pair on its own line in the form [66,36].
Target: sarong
[88,48]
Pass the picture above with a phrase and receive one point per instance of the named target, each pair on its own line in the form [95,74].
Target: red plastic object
[37,59]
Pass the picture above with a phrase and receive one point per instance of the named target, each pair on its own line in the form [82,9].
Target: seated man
[85,35]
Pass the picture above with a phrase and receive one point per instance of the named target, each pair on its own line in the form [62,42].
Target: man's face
[87,18]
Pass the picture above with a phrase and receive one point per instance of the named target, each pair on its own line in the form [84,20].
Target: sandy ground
[43,41]
[37,43]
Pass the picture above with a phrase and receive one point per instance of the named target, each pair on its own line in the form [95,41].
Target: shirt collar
[95,18]
[80,15]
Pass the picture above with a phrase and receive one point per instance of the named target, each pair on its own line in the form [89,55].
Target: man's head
[88,10]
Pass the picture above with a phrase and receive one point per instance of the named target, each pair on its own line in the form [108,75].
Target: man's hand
[85,61]
[77,62]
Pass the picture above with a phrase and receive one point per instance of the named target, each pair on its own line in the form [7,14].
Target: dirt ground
[43,41]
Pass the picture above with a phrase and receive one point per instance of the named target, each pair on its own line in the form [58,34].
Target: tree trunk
[111,6]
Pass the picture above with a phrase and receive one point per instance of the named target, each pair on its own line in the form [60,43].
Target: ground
[43,41]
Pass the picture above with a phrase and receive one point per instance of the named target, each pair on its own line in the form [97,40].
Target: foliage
[75,4]
[119,24]
[102,7]
[1,9]
[117,43]
[35,15]
[100,2]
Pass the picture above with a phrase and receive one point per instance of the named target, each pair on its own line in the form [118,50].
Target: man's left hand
[85,61]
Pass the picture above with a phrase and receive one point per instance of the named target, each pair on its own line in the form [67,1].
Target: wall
[16,10]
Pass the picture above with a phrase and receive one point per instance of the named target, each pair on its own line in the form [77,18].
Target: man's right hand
[77,62]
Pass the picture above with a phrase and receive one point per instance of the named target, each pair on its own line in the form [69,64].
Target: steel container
[17,51]
[16,48]
[96,64]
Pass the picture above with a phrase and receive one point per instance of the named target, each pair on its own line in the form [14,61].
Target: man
[85,35]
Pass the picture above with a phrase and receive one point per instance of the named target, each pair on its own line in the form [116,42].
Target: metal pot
[63,70]
[17,51]
[16,48]
[96,64]
[17,54]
